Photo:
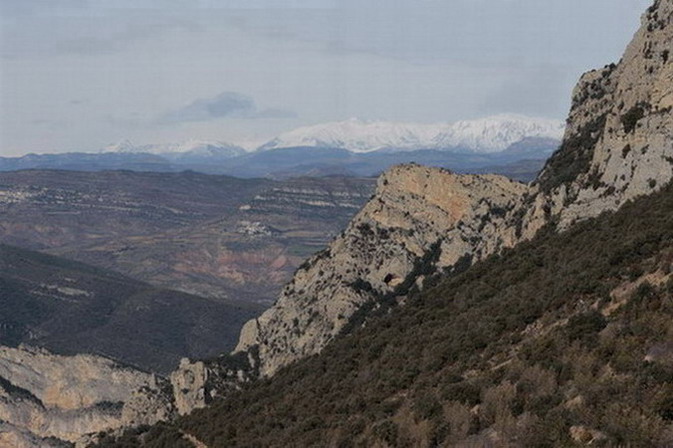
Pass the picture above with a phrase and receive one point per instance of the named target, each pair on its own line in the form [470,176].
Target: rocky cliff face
[419,220]
[51,397]
[619,139]
[196,383]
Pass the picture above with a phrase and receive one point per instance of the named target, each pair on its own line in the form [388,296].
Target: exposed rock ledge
[418,215]
[43,395]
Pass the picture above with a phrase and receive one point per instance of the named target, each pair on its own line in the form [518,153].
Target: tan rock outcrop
[418,215]
[65,397]
[189,382]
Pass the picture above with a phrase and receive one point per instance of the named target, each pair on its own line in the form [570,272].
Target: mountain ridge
[285,163]
[173,151]
[485,135]
[579,182]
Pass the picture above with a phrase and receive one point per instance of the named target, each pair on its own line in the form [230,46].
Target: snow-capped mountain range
[513,145]
[486,135]
[495,134]
[357,135]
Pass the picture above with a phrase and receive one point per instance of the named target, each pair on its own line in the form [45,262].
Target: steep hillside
[477,219]
[530,315]
[71,308]
[561,341]
[423,221]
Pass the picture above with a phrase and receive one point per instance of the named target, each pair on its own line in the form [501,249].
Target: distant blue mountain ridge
[525,157]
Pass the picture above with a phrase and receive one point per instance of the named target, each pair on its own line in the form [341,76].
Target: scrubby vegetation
[573,158]
[159,436]
[631,118]
[562,341]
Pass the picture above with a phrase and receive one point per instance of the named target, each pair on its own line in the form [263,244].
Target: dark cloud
[224,105]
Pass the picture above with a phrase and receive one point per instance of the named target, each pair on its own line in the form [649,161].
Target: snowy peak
[200,148]
[358,136]
[194,148]
[124,146]
[492,134]
[497,133]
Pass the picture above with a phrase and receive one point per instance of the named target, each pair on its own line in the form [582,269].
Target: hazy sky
[80,74]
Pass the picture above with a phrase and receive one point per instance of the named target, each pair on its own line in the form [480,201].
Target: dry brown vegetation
[529,348]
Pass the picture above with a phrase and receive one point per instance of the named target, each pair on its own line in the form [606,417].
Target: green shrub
[631,118]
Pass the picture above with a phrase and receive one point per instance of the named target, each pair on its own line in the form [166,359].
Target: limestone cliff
[196,383]
[44,396]
[419,219]
[619,139]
